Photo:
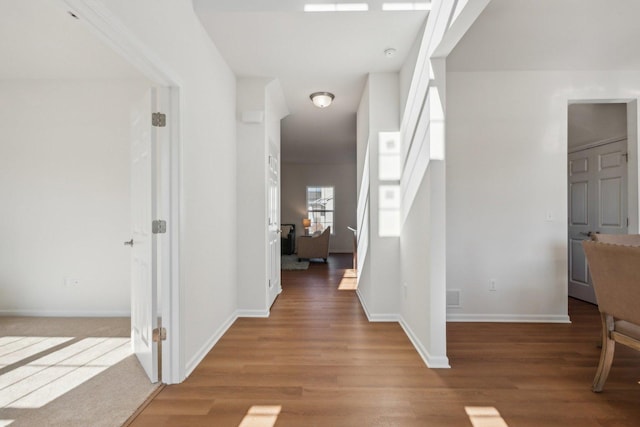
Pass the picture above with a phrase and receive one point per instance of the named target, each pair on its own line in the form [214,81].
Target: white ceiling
[310,52]
[551,35]
[40,40]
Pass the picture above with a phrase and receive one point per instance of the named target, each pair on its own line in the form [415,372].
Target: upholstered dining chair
[615,273]
[617,239]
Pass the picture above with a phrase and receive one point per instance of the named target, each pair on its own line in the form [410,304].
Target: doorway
[597,183]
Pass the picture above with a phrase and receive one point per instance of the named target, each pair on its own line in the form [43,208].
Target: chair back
[615,272]
[617,239]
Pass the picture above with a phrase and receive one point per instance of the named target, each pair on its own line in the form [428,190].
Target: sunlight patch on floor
[349,281]
[49,377]
[261,416]
[5,423]
[15,349]
[485,416]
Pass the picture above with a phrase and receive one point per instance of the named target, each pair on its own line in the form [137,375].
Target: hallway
[317,361]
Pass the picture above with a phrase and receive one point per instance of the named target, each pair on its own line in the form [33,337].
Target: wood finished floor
[319,358]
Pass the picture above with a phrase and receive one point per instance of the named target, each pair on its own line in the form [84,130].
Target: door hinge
[159,334]
[158,120]
[159,226]
[626,157]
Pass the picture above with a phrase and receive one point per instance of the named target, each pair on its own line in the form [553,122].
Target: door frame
[590,152]
[633,142]
[101,22]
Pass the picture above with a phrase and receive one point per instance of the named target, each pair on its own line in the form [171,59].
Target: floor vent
[453,298]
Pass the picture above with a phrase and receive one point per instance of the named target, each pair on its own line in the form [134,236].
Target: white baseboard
[252,313]
[376,317]
[206,348]
[435,362]
[65,313]
[509,318]
[429,360]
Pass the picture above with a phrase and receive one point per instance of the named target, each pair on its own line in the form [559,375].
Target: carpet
[107,399]
[290,262]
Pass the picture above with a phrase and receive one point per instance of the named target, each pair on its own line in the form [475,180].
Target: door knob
[129,243]
[590,233]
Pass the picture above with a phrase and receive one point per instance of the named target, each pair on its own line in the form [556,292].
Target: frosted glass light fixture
[322,99]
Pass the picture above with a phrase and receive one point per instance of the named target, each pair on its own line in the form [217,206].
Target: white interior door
[597,204]
[143,273]
[274,287]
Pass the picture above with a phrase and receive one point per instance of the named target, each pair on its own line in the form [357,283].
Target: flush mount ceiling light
[322,99]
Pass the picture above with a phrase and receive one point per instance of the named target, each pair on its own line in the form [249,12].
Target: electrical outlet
[492,285]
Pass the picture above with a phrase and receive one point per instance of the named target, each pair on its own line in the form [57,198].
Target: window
[389,172]
[320,208]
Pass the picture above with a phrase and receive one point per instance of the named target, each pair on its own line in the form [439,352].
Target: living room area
[318,208]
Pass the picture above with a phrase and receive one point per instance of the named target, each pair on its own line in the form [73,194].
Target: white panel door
[597,204]
[273,207]
[143,283]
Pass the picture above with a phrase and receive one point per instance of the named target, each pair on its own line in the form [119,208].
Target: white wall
[379,280]
[64,186]
[406,72]
[295,179]
[362,135]
[262,97]
[422,307]
[252,207]
[176,38]
[506,174]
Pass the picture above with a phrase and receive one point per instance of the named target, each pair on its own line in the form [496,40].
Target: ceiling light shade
[321,99]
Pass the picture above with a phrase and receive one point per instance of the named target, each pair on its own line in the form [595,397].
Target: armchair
[314,246]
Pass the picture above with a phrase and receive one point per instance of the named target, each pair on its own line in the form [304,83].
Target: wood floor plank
[319,358]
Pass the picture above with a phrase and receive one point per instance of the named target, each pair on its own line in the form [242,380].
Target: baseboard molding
[435,362]
[252,313]
[206,348]
[65,313]
[430,361]
[509,318]
[376,317]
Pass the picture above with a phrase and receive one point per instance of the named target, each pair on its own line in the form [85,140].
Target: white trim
[435,362]
[597,144]
[116,35]
[206,348]
[106,26]
[252,313]
[173,371]
[66,313]
[509,318]
[376,317]
[462,17]
[438,362]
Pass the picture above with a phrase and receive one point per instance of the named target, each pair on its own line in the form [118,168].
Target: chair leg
[606,354]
